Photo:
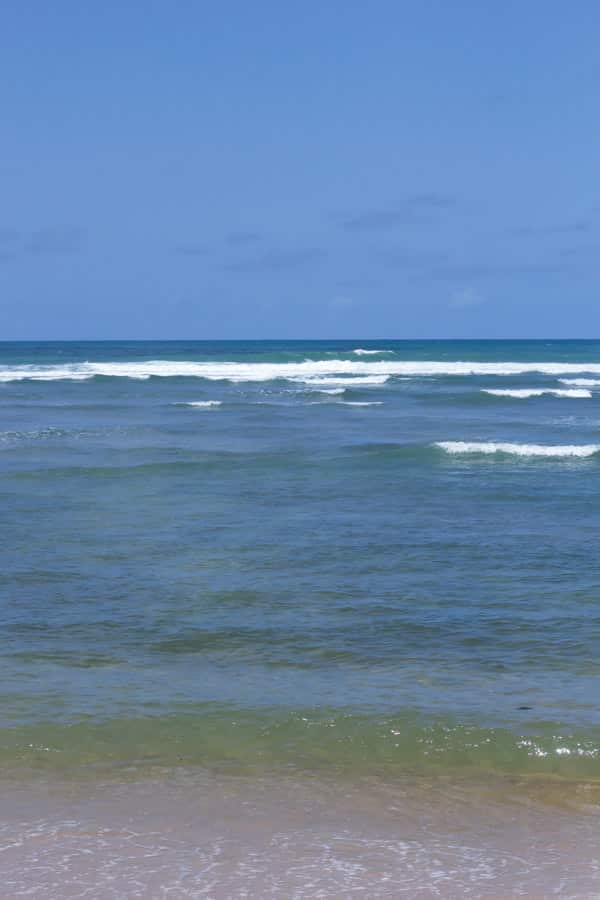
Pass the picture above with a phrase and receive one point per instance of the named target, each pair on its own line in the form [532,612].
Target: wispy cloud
[527,231]
[55,240]
[191,248]
[278,260]
[414,257]
[9,237]
[484,270]
[465,298]
[374,220]
[341,302]
[413,209]
[238,238]
[586,252]
[9,242]
[358,282]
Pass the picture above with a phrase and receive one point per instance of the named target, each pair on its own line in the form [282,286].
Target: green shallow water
[285,580]
[321,740]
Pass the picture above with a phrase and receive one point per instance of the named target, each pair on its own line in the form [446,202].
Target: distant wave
[202,404]
[523,394]
[308,371]
[49,373]
[360,352]
[356,381]
[48,432]
[487,447]
[330,391]
[359,402]
[581,382]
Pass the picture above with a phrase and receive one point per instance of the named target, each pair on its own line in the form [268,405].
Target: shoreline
[194,833]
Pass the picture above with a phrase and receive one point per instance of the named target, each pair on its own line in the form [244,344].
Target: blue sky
[215,170]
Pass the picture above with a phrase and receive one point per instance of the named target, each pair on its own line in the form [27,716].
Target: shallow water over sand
[198,834]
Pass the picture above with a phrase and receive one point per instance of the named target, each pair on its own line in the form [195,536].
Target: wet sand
[189,834]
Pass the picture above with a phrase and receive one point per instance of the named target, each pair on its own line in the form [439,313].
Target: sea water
[346,559]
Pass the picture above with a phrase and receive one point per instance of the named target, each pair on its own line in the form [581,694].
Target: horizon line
[105,340]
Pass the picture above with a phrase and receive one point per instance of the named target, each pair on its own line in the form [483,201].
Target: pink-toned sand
[205,835]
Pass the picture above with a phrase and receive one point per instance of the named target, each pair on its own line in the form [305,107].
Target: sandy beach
[193,834]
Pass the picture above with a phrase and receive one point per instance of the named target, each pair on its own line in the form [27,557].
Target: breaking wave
[489,447]
[525,393]
[330,391]
[359,402]
[360,352]
[353,381]
[201,404]
[309,371]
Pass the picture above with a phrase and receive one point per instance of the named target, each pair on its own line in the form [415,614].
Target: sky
[227,169]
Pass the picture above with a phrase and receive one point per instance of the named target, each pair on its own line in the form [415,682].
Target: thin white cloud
[465,298]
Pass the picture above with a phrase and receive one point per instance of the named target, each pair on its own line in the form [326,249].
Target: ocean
[303,568]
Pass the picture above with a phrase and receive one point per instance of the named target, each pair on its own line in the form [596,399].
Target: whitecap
[331,391]
[51,373]
[360,352]
[377,371]
[581,382]
[525,393]
[202,404]
[359,402]
[488,447]
[352,381]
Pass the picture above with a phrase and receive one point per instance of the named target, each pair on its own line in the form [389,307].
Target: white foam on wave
[359,402]
[361,352]
[352,381]
[581,382]
[202,404]
[344,372]
[53,373]
[565,450]
[525,393]
[330,391]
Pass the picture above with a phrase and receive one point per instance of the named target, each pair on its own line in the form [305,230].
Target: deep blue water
[298,572]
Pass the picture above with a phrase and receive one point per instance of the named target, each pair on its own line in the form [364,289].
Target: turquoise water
[293,554]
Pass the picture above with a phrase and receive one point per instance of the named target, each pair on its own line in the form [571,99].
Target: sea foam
[316,383]
[565,450]
[202,404]
[49,373]
[344,371]
[581,382]
[330,391]
[525,393]
[360,352]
